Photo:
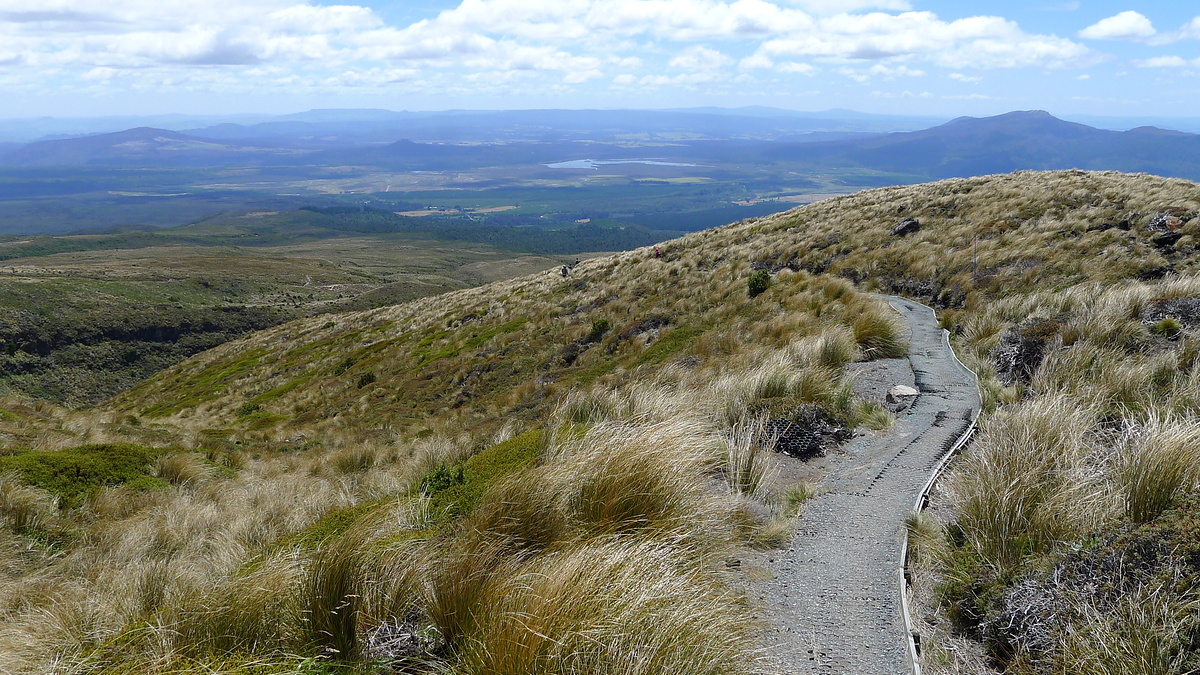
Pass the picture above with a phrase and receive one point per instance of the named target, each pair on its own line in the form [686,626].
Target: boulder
[1167,239]
[901,393]
[905,227]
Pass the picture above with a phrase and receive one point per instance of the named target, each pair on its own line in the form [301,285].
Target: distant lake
[597,163]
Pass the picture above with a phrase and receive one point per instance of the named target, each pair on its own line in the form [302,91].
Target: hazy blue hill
[322,127]
[1014,141]
[143,144]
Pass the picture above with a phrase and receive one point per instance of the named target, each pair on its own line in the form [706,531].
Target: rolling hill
[1032,140]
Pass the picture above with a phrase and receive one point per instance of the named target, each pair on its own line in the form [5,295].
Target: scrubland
[544,474]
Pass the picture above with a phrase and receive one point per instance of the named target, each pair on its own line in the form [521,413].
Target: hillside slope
[573,458]
[1029,230]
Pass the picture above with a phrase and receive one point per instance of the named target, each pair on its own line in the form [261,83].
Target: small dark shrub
[759,282]
[248,409]
[365,379]
[329,324]
[599,328]
[344,365]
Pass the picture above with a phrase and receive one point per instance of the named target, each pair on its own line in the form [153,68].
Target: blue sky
[68,58]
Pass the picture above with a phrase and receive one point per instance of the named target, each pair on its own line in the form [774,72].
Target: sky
[76,58]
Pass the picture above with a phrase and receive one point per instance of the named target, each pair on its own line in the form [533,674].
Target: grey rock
[906,227]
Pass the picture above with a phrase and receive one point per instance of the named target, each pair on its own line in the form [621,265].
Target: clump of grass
[182,469]
[628,487]
[354,459]
[749,468]
[873,416]
[1169,327]
[879,333]
[1157,465]
[1141,637]
[1015,495]
[24,508]
[330,596]
[600,608]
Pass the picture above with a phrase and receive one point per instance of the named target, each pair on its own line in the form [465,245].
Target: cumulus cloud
[797,68]
[842,6]
[1166,62]
[756,61]
[965,78]
[218,42]
[699,57]
[1129,25]
[979,42]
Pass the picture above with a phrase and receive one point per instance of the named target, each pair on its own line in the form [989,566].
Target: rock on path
[833,604]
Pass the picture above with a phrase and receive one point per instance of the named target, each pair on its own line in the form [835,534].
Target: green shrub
[1168,328]
[599,328]
[366,378]
[248,408]
[443,478]
[75,473]
[759,282]
[344,365]
[481,471]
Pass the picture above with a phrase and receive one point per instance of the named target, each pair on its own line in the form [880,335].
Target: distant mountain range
[1036,140]
[962,147]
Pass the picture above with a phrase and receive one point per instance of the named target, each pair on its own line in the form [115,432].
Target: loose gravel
[830,598]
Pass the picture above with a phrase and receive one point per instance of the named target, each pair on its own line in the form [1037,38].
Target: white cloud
[966,78]
[1190,30]
[699,57]
[892,72]
[1127,25]
[980,42]
[756,61]
[1165,62]
[855,75]
[251,43]
[797,68]
[581,76]
[842,6]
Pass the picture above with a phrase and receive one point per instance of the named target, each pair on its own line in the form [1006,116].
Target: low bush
[758,283]
[483,470]
[74,473]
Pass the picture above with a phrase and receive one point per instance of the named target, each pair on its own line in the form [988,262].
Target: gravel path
[830,599]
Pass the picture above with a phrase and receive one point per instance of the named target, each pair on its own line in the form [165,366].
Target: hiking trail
[832,602]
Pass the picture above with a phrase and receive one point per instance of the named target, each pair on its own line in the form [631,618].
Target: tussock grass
[25,508]
[605,609]
[1025,486]
[1141,637]
[182,469]
[1157,464]
[749,467]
